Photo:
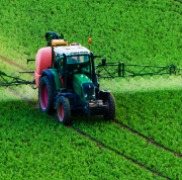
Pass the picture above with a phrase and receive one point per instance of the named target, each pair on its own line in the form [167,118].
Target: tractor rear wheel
[110,111]
[63,110]
[45,95]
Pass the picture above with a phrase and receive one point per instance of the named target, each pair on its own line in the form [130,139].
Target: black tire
[63,110]
[45,95]
[111,109]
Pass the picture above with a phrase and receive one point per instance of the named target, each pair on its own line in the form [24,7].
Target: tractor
[66,80]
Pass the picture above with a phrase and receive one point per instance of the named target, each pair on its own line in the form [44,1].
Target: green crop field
[144,141]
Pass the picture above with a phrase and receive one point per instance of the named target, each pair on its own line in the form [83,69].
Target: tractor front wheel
[63,110]
[110,111]
[45,95]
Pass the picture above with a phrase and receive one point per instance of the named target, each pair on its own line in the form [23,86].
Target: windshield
[79,64]
[79,59]
[75,64]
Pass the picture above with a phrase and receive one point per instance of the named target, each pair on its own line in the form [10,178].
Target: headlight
[89,90]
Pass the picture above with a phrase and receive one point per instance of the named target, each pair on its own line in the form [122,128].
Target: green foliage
[34,146]
[146,32]
[132,146]
[155,114]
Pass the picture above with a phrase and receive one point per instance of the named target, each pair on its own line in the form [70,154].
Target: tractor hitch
[95,107]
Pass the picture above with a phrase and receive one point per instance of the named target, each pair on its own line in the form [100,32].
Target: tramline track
[98,143]
[12,63]
[102,145]
[148,140]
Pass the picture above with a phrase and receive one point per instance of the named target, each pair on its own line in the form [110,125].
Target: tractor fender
[103,93]
[54,78]
[50,76]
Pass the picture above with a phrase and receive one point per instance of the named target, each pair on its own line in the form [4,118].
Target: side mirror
[104,61]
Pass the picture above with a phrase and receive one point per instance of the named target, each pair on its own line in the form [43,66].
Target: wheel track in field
[148,140]
[99,143]
[12,63]
[102,145]
[90,138]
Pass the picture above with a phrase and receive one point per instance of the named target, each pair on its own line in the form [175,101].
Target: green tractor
[66,80]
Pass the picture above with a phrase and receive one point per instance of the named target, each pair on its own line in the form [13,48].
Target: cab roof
[71,50]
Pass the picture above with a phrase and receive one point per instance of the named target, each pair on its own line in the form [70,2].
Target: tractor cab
[71,62]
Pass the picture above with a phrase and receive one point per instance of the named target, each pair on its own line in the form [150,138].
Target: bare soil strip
[12,63]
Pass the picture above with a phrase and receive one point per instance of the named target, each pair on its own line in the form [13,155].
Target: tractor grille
[88,90]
